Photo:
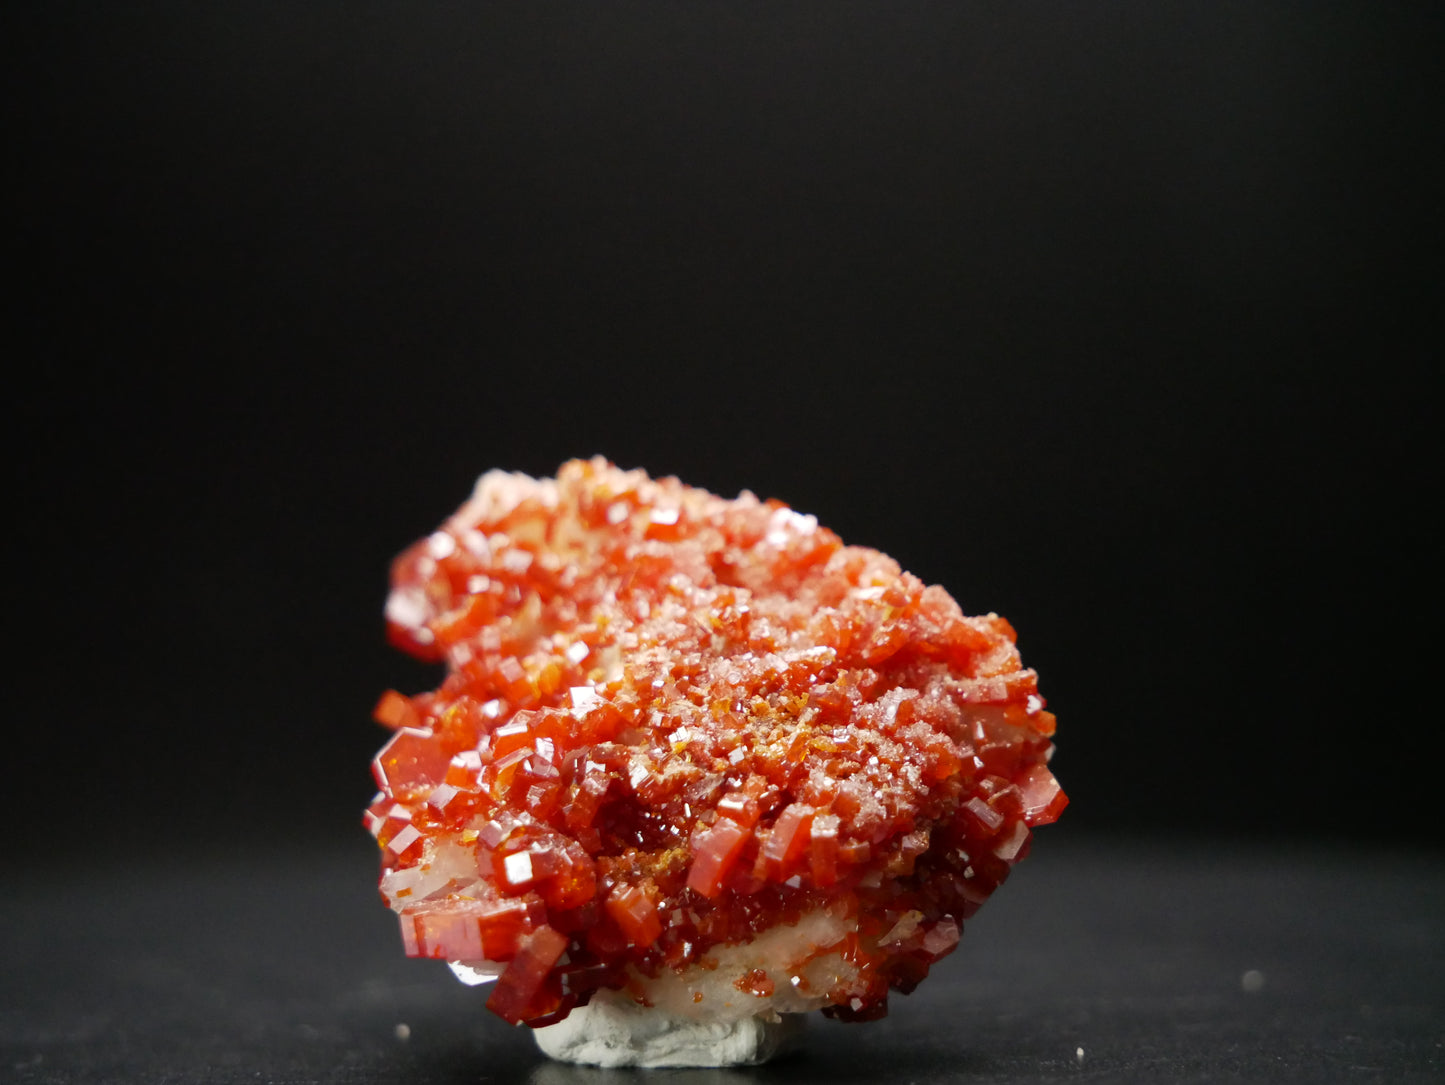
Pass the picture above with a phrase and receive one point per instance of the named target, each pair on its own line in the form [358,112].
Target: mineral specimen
[692,755]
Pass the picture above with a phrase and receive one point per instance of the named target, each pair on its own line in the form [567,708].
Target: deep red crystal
[671,722]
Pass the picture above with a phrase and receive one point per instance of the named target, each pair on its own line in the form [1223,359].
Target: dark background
[1117,318]
[1114,318]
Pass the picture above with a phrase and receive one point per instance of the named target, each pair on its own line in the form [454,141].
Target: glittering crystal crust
[672,722]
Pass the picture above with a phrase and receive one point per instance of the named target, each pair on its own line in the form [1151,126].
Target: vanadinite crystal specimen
[695,752]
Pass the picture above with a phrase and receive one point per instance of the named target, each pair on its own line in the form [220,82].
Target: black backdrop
[1114,318]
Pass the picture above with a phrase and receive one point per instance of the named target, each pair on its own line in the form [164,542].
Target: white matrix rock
[613,1030]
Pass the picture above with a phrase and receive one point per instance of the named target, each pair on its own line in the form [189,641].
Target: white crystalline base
[613,1030]
[739,1008]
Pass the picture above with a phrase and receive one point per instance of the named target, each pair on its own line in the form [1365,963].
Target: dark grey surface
[285,968]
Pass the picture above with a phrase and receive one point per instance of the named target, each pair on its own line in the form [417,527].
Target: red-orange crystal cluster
[671,722]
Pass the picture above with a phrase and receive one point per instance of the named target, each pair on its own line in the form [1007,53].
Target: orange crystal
[671,722]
